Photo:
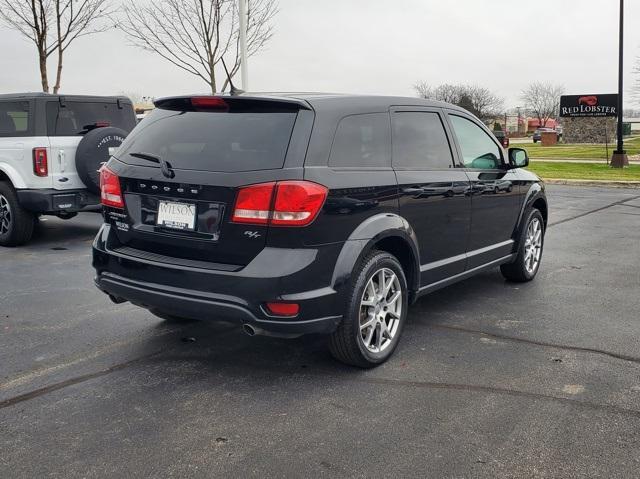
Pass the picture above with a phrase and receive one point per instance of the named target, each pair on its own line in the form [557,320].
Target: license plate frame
[176,215]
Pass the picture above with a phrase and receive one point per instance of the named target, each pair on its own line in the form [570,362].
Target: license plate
[181,216]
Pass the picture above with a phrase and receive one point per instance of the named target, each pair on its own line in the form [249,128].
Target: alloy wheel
[533,246]
[380,310]
[5,216]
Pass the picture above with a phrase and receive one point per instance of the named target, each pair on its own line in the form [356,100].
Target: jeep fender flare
[536,192]
[13,175]
[364,238]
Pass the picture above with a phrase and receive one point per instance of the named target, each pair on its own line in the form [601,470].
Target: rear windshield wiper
[165,166]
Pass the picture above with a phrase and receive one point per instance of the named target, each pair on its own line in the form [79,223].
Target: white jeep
[51,147]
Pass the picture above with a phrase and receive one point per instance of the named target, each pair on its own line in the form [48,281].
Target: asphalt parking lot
[491,379]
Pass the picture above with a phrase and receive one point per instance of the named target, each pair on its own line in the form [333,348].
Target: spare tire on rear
[93,151]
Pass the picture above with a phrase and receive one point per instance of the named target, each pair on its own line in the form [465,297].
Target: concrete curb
[607,183]
[578,160]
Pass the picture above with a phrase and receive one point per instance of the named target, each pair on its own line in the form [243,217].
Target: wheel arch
[9,174]
[540,203]
[384,232]
[535,198]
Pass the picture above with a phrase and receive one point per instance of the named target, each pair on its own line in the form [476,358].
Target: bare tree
[195,35]
[542,99]
[486,104]
[480,101]
[424,90]
[53,25]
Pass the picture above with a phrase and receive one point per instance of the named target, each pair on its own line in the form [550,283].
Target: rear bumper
[52,201]
[217,295]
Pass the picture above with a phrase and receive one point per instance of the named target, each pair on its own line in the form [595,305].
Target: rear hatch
[68,120]
[182,168]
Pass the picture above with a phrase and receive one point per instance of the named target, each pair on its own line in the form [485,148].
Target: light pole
[244,69]
[619,158]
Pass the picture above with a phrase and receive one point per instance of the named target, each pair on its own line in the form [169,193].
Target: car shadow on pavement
[57,233]
[225,349]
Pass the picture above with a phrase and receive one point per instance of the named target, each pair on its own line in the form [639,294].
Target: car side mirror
[518,158]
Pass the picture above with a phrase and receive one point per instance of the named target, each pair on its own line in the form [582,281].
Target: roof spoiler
[229,103]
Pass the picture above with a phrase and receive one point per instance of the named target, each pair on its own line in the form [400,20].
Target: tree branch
[194,35]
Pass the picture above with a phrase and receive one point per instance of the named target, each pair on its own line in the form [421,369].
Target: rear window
[15,118]
[213,141]
[362,141]
[77,118]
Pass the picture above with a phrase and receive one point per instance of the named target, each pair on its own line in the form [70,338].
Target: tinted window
[15,118]
[77,118]
[213,141]
[478,149]
[420,142]
[362,141]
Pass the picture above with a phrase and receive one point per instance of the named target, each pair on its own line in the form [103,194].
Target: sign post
[619,158]
[244,69]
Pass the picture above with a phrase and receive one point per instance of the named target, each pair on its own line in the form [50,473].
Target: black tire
[518,270]
[16,223]
[93,151]
[346,343]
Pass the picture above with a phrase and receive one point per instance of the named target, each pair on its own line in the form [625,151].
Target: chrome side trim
[460,257]
[466,274]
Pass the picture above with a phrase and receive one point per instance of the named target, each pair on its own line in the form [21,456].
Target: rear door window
[78,117]
[362,141]
[15,118]
[420,141]
[213,141]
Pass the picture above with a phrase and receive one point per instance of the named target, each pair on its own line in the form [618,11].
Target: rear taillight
[296,203]
[254,204]
[110,192]
[40,163]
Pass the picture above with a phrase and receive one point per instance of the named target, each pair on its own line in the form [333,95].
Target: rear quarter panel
[16,161]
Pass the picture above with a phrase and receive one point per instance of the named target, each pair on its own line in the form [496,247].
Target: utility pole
[244,69]
[619,158]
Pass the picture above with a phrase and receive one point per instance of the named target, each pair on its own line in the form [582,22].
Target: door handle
[62,161]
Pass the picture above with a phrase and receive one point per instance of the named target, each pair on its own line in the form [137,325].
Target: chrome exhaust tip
[116,299]
[250,330]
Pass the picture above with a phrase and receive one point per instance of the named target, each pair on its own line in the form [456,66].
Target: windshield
[212,141]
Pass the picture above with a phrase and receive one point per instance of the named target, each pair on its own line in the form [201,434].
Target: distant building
[634,122]
[533,124]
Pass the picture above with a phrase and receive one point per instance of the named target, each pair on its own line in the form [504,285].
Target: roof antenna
[233,91]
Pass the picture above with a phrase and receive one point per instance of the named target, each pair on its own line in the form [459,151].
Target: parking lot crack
[503,391]
[581,215]
[545,344]
[72,381]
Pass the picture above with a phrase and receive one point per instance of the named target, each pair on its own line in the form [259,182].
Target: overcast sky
[376,46]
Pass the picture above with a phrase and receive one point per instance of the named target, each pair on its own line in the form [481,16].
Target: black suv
[311,213]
